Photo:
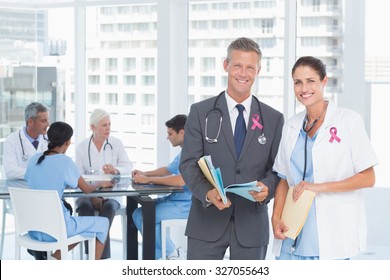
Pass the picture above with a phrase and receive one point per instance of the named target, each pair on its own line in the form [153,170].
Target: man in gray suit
[240,224]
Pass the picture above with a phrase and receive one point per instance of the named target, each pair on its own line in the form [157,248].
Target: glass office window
[94,97]
[207,81]
[208,64]
[93,64]
[148,100]
[129,99]
[111,80]
[129,80]
[93,79]
[148,64]
[129,64]
[111,98]
[148,80]
[111,64]
[148,119]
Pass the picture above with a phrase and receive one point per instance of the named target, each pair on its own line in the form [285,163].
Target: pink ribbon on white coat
[256,123]
[333,134]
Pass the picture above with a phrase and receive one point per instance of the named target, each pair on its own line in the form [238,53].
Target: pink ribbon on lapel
[333,133]
[256,123]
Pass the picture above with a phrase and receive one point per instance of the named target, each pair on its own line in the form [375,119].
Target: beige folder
[295,212]
[205,169]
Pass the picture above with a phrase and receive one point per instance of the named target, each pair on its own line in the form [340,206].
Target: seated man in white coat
[22,144]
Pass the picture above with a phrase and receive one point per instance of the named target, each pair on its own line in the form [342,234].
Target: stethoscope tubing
[24,156]
[89,149]
[262,139]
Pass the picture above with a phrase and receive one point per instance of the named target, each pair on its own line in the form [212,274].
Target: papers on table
[103,177]
[213,175]
[295,212]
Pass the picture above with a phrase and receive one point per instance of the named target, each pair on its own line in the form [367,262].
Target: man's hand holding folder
[218,195]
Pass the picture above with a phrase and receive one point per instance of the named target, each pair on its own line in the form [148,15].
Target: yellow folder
[295,212]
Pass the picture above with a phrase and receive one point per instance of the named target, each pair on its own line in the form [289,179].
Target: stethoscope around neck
[24,156]
[262,139]
[91,170]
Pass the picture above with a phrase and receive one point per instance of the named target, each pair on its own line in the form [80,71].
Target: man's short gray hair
[243,44]
[33,109]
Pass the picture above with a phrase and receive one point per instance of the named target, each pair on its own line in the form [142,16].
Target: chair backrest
[38,210]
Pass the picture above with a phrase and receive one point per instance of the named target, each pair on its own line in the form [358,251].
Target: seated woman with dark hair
[53,170]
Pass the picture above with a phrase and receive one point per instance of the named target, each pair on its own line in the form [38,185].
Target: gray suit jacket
[255,163]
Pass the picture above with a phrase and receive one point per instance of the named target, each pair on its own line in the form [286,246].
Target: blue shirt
[307,240]
[173,168]
[40,137]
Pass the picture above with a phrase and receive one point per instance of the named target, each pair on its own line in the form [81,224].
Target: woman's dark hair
[58,134]
[314,63]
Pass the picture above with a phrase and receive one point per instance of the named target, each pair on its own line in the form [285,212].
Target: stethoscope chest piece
[262,139]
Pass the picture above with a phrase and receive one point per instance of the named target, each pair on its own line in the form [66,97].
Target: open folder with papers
[213,175]
[295,212]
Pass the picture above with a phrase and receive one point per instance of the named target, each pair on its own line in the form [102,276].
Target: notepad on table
[98,177]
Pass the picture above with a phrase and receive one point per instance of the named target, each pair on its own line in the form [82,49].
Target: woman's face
[308,87]
[102,129]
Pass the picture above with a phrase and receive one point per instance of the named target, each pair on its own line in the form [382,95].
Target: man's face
[176,138]
[242,69]
[40,124]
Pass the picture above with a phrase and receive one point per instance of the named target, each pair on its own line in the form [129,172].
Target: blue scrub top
[173,167]
[307,240]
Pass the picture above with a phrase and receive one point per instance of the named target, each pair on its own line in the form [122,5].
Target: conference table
[145,195]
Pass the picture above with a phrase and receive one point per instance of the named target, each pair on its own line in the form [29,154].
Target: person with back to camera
[172,206]
[64,173]
[242,136]
[101,154]
[326,150]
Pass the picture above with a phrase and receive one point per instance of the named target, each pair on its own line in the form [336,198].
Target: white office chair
[41,210]
[120,212]
[7,209]
[175,229]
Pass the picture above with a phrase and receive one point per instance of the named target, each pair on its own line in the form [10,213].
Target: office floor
[373,253]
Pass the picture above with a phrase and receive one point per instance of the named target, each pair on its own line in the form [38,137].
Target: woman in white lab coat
[101,154]
[326,150]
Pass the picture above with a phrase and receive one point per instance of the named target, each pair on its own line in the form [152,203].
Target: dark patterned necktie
[239,130]
[35,144]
